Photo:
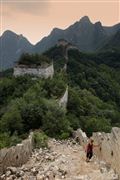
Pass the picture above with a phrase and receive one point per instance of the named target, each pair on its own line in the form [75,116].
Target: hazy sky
[36,18]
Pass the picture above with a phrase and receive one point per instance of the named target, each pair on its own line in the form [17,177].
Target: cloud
[27,7]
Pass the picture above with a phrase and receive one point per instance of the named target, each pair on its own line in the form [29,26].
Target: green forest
[28,103]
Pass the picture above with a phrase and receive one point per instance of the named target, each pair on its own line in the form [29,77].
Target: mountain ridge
[72,34]
[85,35]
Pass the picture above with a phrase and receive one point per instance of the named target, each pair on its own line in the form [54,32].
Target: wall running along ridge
[64,99]
[38,71]
[16,155]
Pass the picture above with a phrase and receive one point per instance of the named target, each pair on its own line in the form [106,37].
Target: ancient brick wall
[37,71]
[109,149]
[64,99]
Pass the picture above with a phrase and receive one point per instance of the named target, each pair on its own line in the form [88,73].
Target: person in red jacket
[89,150]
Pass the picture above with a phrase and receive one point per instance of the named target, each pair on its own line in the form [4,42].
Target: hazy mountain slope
[112,29]
[113,43]
[84,34]
[12,46]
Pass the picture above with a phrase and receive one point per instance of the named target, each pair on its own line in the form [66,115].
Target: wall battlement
[36,71]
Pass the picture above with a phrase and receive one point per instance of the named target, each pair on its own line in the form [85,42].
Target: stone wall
[80,136]
[109,149]
[16,155]
[37,71]
[64,99]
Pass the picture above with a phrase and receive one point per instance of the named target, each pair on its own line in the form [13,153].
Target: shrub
[33,59]
[64,135]
[97,124]
[54,120]
[15,139]
[40,139]
[6,140]
[11,121]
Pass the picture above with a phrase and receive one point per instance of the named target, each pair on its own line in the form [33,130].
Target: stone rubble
[62,160]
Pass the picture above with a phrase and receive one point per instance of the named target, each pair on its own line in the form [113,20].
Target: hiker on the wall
[89,149]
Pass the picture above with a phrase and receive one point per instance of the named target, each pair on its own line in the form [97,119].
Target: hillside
[12,46]
[94,83]
[114,43]
[93,103]
[28,103]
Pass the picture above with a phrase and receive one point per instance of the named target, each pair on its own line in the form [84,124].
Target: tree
[95,124]
[54,120]
[11,121]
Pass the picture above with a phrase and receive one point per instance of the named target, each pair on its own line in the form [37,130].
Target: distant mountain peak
[98,23]
[56,30]
[85,19]
[8,33]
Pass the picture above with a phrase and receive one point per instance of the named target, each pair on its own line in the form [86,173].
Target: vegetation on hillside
[94,89]
[34,60]
[27,103]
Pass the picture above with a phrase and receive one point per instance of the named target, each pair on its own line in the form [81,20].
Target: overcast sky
[36,18]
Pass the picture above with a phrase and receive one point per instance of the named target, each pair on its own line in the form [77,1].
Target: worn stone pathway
[63,160]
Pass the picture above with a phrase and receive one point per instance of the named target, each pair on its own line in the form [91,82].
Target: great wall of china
[39,71]
[109,150]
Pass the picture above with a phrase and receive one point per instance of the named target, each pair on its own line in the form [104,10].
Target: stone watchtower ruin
[43,71]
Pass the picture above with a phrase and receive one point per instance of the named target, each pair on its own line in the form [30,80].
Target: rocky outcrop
[109,150]
[44,72]
[16,155]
